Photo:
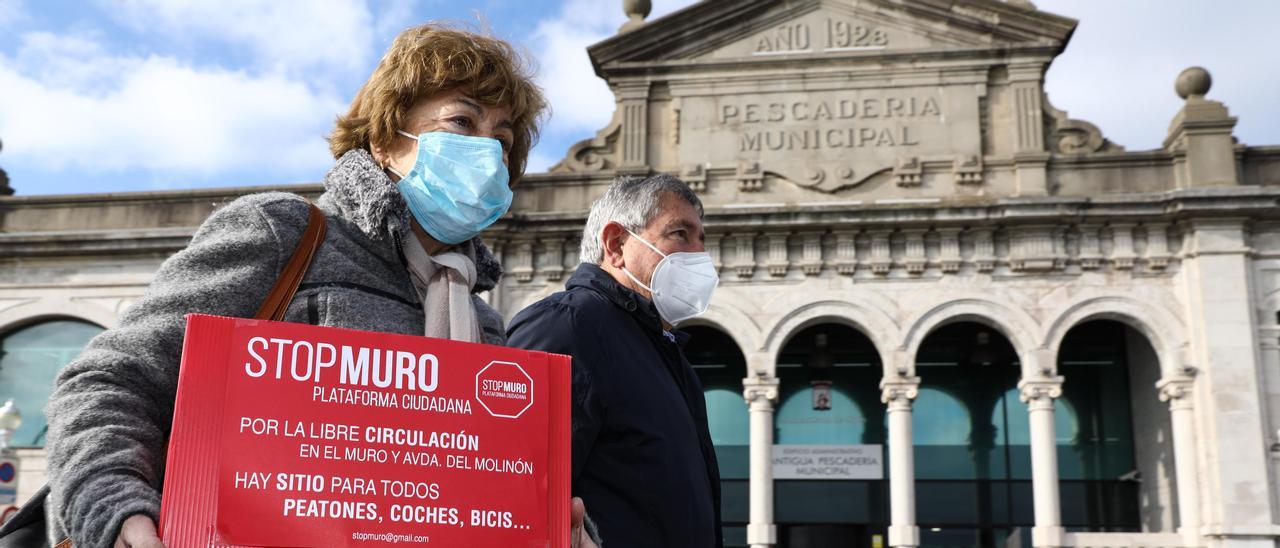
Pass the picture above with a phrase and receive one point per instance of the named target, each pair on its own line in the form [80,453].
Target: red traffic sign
[7,513]
[504,389]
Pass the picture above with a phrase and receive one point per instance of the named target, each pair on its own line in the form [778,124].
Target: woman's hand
[140,532]
[578,537]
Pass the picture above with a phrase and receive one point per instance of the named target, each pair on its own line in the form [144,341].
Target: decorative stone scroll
[1067,136]
[1176,390]
[760,393]
[1040,393]
[594,154]
[897,392]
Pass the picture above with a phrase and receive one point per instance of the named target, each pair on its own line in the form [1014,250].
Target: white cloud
[71,104]
[1119,68]
[580,100]
[283,35]
[11,11]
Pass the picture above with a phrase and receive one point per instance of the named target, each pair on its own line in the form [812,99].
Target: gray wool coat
[111,408]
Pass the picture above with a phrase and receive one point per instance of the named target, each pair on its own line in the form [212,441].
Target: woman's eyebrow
[472,104]
[479,111]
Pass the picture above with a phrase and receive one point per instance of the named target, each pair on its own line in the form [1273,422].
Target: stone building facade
[1049,340]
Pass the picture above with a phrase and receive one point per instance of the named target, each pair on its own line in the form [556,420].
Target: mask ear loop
[386,165]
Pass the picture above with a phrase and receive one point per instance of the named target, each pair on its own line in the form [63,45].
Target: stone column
[761,393]
[1177,391]
[1039,394]
[1218,272]
[897,393]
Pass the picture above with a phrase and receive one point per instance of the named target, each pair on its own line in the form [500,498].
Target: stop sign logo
[504,389]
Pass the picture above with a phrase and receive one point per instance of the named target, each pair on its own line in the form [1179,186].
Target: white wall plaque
[828,462]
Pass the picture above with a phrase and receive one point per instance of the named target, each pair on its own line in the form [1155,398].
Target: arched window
[843,423]
[940,419]
[829,389]
[1013,422]
[30,358]
[720,366]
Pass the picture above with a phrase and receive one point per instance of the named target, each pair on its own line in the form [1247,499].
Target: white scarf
[444,283]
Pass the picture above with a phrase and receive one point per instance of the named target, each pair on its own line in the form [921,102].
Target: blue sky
[124,95]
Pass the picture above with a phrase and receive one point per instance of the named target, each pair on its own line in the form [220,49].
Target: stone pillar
[761,393]
[1177,391]
[633,102]
[1200,136]
[1039,394]
[1218,273]
[897,393]
[1030,158]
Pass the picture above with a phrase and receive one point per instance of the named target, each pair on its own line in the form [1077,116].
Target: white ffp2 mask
[681,284]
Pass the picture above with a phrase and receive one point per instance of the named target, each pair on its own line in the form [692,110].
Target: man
[642,455]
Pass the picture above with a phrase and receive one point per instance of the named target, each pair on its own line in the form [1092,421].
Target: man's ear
[613,236]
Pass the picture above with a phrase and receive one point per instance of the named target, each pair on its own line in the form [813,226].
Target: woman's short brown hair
[432,58]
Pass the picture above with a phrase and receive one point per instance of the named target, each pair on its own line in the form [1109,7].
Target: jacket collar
[369,199]
[594,278]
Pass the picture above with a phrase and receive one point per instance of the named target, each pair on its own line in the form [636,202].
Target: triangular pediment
[764,29]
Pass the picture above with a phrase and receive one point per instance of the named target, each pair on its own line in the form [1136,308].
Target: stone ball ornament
[1193,82]
[637,9]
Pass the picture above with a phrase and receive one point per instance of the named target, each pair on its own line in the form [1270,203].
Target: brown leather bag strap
[277,302]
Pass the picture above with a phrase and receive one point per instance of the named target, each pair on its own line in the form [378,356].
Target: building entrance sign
[833,139]
[828,462]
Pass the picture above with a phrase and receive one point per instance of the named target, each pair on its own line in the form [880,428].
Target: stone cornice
[922,60]
[686,33]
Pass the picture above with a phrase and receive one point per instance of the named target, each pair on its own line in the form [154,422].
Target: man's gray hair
[632,203]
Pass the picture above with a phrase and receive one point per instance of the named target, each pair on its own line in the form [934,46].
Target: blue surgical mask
[458,185]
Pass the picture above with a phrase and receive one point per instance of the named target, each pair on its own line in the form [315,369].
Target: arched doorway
[829,395]
[720,367]
[30,358]
[969,487]
[1115,462]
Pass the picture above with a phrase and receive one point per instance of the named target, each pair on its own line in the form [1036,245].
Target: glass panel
[735,501]
[727,416]
[734,461]
[1096,394]
[831,501]
[948,502]
[720,367]
[799,423]
[30,358]
[842,362]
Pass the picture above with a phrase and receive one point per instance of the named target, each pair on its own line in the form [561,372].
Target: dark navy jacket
[642,456]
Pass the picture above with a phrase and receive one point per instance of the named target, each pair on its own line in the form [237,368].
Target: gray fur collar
[364,195]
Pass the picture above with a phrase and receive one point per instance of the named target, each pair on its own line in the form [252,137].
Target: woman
[423,157]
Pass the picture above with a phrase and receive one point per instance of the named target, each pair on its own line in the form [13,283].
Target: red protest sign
[294,435]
